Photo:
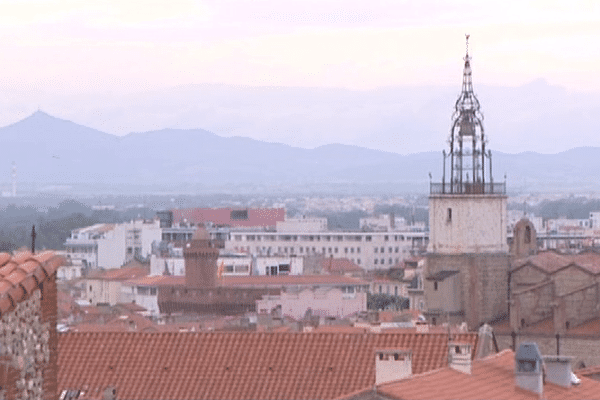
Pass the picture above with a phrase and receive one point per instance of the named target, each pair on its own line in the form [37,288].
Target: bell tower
[468,259]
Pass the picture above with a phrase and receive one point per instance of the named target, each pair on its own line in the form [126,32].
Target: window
[435,286]
[382,250]
[345,250]
[239,214]
[386,238]
[375,261]
[390,250]
[335,250]
[153,291]
[376,249]
[380,288]
[352,250]
[358,250]
[390,262]
[449,215]
[358,261]
[284,269]
[367,238]
[396,249]
[395,290]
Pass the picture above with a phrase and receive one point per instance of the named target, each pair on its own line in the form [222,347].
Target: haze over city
[381,75]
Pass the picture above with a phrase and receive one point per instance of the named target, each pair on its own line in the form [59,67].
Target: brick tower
[467,257]
[200,261]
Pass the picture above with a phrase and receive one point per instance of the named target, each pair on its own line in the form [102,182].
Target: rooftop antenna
[33,235]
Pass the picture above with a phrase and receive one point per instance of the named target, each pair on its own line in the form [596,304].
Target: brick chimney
[200,261]
[392,365]
[529,374]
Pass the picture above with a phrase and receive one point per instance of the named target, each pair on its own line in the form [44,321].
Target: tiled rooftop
[492,377]
[21,275]
[339,266]
[254,280]
[551,261]
[120,274]
[237,365]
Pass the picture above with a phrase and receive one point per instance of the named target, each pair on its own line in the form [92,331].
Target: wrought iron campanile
[468,157]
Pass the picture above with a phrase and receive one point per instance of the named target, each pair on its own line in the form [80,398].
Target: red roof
[492,377]
[120,274]
[235,365]
[222,216]
[21,275]
[551,261]
[255,280]
[339,266]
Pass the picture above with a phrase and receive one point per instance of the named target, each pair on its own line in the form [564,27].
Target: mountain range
[56,154]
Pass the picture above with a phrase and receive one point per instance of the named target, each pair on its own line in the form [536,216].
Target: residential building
[303,224]
[104,287]
[112,245]
[336,302]
[368,250]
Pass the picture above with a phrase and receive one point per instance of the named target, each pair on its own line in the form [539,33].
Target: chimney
[392,365]
[558,370]
[459,357]
[528,368]
[110,393]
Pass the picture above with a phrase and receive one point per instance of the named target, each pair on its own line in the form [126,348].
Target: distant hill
[53,152]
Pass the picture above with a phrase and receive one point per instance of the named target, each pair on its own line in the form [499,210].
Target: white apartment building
[369,250]
[112,245]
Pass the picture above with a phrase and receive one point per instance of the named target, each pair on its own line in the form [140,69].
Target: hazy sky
[122,46]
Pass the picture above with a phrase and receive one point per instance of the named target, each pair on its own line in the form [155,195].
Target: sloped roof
[120,274]
[255,280]
[492,377]
[339,265]
[235,365]
[22,274]
[551,261]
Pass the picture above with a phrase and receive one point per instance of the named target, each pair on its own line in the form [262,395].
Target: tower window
[527,234]
[449,215]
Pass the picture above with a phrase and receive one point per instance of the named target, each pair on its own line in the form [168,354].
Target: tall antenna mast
[14,179]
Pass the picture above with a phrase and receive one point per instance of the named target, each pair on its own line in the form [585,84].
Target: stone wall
[483,283]
[25,345]
[584,349]
[529,306]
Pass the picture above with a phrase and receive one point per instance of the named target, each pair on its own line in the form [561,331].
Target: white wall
[326,303]
[478,224]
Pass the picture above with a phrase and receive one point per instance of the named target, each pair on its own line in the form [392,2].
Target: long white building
[369,250]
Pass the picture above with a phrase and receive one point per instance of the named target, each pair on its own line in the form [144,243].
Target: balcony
[467,188]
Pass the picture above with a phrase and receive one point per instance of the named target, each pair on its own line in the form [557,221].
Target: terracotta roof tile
[22,274]
[120,274]
[492,377]
[235,365]
[8,268]
[4,258]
